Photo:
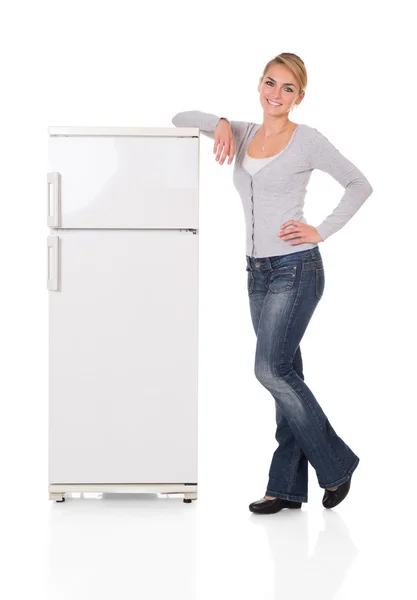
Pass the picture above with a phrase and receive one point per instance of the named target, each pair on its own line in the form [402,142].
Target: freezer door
[123,182]
[123,358]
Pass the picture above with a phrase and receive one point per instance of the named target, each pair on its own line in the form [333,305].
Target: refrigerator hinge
[193,230]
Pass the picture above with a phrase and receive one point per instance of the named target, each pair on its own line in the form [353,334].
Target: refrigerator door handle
[54,181]
[53,261]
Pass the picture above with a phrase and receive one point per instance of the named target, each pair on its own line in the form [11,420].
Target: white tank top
[251,165]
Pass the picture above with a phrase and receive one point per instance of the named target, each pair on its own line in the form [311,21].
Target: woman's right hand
[224,144]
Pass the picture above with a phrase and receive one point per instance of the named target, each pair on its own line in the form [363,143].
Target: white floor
[159,547]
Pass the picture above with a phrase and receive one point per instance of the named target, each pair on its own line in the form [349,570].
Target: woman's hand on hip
[303,232]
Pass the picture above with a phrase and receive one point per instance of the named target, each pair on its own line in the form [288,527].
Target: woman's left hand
[303,232]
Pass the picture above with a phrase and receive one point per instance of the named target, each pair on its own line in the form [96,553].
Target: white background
[136,64]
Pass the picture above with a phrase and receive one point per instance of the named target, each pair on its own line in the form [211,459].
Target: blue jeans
[283,294]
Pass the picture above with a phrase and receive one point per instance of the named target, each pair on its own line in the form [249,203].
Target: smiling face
[279,86]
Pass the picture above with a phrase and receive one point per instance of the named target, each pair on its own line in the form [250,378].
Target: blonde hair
[293,62]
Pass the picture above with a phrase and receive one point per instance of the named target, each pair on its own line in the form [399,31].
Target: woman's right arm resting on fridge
[207,123]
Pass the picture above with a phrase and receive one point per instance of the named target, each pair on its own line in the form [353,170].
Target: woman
[273,165]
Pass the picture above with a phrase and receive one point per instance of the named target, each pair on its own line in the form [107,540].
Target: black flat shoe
[332,499]
[267,507]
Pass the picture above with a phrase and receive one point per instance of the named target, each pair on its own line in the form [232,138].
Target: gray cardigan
[276,192]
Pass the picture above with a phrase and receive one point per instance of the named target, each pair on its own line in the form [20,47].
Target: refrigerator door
[123,356]
[123,181]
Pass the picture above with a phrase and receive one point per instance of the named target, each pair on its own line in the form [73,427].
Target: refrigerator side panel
[129,182]
[123,358]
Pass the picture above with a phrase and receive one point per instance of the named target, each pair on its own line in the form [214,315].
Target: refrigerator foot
[188,496]
[58,497]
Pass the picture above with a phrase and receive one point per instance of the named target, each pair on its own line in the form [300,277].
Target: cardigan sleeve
[207,123]
[325,157]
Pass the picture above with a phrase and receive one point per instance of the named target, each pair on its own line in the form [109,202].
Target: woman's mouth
[274,104]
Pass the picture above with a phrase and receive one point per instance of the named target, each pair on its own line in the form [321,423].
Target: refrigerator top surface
[123,131]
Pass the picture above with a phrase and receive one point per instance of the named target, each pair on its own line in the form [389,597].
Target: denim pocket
[251,281]
[282,278]
[320,279]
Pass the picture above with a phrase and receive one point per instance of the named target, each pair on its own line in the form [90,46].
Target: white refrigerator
[122,262]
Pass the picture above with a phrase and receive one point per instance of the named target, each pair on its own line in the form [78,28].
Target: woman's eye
[287,88]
